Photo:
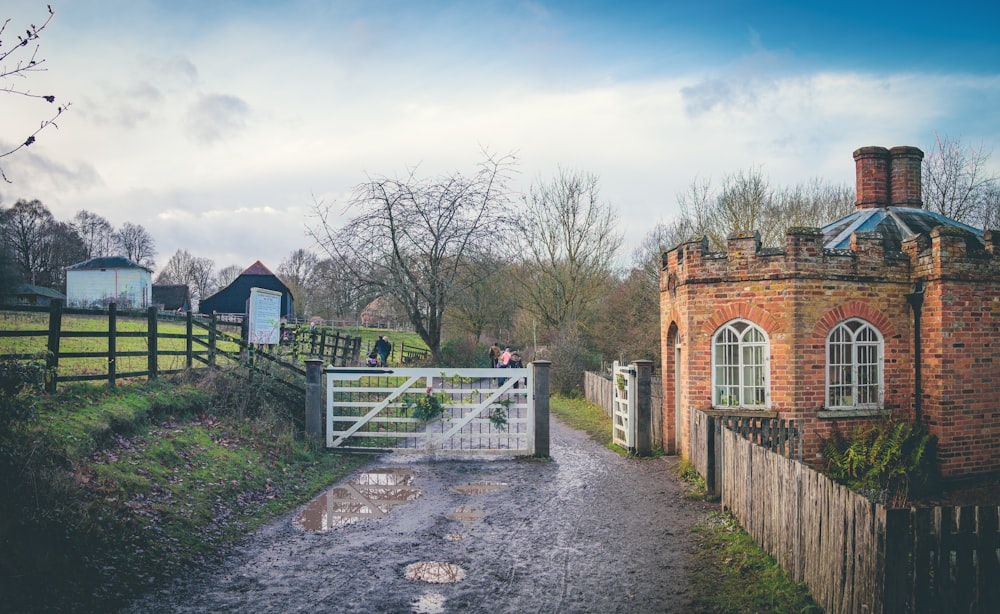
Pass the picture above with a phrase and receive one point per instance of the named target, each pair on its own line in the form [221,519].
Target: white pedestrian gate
[623,426]
[482,410]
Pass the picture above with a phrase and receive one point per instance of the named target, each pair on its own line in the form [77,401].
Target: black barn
[233,298]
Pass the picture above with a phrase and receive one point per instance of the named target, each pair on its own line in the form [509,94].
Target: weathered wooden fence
[598,388]
[204,342]
[855,555]
[767,430]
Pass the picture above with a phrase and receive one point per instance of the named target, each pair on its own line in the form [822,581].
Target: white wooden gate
[623,426]
[484,410]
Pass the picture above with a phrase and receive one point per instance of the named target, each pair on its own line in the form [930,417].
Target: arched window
[854,366]
[740,357]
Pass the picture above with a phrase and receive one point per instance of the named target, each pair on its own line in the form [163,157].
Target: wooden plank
[55,328]
[963,546]
[112,343]
[894,568]
[923,553]
[988,555]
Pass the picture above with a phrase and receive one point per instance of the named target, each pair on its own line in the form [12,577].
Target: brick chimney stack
[872,165]
[888,177]
[904,179]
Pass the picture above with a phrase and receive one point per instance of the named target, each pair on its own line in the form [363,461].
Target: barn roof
[233,298]
[106,262]
[28,289]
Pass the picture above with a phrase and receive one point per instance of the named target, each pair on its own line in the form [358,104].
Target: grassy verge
[103,494]
[584,416]
[731,574]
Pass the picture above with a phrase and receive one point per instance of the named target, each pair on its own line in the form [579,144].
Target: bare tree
[136,244]
[193,271]
[335,293]
[745,204]
[296,270]
[25,228]
[39,246]
[484,304]
[96,232]
[812,204]
[568,246]
[19,60]
[226,275]
[410,239]
[957,182]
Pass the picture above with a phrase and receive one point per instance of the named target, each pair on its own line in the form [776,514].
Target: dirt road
[589,531]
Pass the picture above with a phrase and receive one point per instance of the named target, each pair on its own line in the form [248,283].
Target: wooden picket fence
[206,342]
[855,555]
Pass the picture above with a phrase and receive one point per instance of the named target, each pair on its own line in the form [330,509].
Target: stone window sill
[852,413]
[742,412]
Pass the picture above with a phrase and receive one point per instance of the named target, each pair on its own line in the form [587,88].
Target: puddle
[467,513]
[481,488]
[369,495]
[429,603]
[434,572]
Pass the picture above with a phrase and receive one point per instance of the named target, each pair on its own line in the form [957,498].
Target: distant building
[890,311]
[172,297]
[26,294]
[99,281]
[233,298]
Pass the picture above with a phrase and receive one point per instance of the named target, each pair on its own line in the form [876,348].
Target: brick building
[893,309]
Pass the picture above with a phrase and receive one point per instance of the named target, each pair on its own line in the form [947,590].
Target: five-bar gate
[482,410]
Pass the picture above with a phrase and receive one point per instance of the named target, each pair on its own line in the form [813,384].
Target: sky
[219,125]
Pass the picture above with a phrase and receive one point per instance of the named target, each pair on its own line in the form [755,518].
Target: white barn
[114,279]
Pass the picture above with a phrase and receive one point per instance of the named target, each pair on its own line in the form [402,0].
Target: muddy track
[589,531]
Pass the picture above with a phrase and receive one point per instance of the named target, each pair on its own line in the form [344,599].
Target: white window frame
[842,359]
[729,388]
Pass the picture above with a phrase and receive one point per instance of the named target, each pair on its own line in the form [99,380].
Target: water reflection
[372,494]
[429,603]
[481,488]
[434,572]
[467,513]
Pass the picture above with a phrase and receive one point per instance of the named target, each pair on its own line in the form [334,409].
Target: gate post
[643,406]
[314,399]
[540,375]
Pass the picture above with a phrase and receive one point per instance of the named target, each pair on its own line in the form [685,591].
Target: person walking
[382,346]
[494,354]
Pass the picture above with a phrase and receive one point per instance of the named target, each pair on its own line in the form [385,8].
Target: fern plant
[887,462]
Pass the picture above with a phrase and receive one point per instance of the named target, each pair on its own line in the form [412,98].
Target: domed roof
[894,223]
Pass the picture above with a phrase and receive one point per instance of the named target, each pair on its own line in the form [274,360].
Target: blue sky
[216,124]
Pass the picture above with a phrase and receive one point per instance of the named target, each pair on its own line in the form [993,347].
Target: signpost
[265,316]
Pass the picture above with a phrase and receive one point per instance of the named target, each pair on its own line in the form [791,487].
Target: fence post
[711,485]
[213,324]
[643,406]
[112,343]
[540,375]
[314,399]
[55,328]
[190,340]
[151,345]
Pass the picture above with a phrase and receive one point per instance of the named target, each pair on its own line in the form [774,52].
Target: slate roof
[106,262]
[28,289]
[894,223]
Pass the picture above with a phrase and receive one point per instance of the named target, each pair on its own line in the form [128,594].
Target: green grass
[584,416]
[733,575]
[117,490]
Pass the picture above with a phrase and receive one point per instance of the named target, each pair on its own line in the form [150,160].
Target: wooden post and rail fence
[205,342]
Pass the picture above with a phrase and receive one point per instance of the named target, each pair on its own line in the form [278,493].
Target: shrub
[888,462]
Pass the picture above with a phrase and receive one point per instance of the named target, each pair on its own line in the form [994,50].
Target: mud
[589,531]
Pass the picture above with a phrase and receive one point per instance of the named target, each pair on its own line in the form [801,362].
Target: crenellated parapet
[803,255]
